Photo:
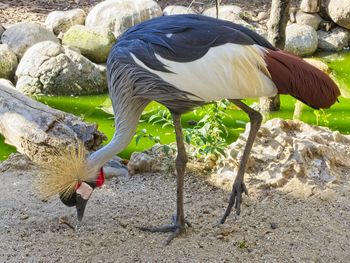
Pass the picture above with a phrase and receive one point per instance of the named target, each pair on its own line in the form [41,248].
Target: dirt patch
[273,227]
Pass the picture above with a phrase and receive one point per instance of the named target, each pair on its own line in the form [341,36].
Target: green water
[89,108]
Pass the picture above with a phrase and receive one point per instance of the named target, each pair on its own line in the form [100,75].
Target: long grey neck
[127,113]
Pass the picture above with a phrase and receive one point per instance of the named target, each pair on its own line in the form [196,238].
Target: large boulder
[335,40]
[22,36]
[61,21]
[309,6]
[177,10]
[49,68]
[93,42]
[339,12]
[230,13]
[312,20]
[119,15]
[301,39]
[8,62]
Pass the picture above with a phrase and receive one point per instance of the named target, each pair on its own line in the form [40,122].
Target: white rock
[312,20]
[291,155]
[309,6]
[327,195]
[119,15]
[8,62]
[177,10]
[141,162]
[22,36]
[339,12]
[263,16]
[6,83]
[318,64]
[335,40]
[110,172]
[49,68]
[93,42]
[228,12]
[61,21]
[301,39]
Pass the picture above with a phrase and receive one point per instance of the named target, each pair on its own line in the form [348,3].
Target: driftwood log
[37,130]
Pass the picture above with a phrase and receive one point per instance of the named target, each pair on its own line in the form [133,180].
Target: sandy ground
[274,226]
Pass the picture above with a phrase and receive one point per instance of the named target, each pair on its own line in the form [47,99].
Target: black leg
[238,186]
[179,221]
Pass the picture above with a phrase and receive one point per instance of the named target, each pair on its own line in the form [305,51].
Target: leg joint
[255,116]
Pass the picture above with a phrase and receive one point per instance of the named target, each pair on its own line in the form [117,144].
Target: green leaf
[188,139]
[138,138]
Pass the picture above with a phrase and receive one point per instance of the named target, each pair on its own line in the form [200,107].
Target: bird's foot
[176,228]
[235,199]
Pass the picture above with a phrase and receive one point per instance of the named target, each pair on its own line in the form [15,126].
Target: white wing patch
[229,71]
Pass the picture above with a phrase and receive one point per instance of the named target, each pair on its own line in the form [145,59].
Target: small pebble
[220,237]
[124,224]
[273,225]
[24,217]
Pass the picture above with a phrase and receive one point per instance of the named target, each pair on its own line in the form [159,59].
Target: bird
[184,62]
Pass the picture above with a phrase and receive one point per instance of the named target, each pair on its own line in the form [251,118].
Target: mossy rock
[93,42]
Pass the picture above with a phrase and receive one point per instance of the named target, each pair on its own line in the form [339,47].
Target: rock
[2,30]
[153,160]
[326,25]
[318,64]
[177,10]
[339,12]
[291,155]
[93,42]
[263,16]
[115,168]
[119,15]
[61,21]
[8,62]
[49,68]
[309,6]
[111,172]
[16,161]
[22,36]
[301,39]
[327,195]
[6,83]
[335,40]
[273,225]
[312,20]
[141,163]
[228,12]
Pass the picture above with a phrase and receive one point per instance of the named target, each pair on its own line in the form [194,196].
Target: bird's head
[67,174]
[82,194]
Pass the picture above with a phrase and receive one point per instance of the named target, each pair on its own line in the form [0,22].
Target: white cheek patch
[85,191]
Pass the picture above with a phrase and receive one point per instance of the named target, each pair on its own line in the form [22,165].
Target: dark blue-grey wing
[181,38]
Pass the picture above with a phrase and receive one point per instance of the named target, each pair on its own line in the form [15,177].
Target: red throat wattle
[100,179]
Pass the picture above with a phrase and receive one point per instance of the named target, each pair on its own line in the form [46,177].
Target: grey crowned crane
[185,61]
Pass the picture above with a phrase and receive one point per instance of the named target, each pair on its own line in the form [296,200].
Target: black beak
[81,204]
